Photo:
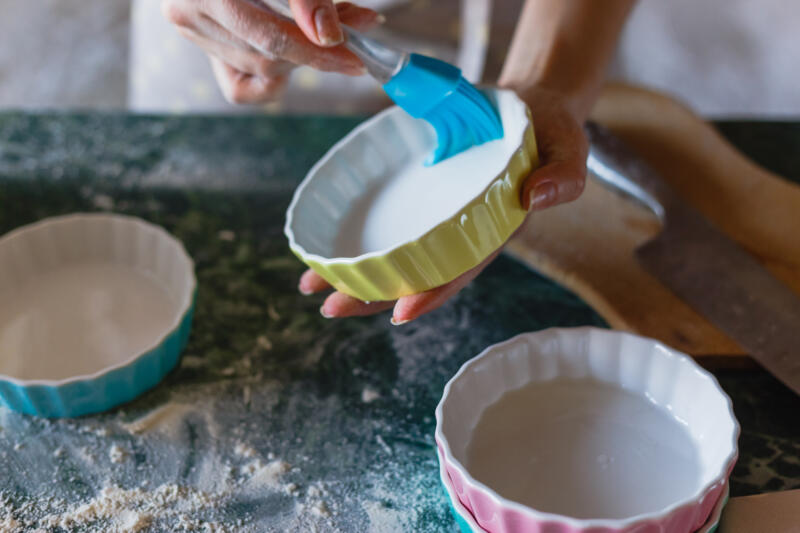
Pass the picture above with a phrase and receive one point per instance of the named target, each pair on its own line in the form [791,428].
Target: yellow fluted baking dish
[378,223]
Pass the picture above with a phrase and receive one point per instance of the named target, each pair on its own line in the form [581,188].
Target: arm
[565,47]
[556,64]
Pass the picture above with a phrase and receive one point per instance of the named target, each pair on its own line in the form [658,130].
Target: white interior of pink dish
[604,425]
[372,191]
[85,293]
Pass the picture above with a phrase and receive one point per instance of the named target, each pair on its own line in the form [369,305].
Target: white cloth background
[722,57]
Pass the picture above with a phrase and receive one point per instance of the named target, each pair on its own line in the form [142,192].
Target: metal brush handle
[381,61]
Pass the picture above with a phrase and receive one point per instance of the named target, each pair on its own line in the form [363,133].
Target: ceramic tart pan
[685,394]
[375,235]
[467,524]
[96,309]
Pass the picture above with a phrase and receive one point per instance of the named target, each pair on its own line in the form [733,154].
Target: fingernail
[304,292]
[543,195]
[323,313]
[328,31]
[398,322]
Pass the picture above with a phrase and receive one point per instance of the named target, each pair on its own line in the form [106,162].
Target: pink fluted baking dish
[638,365]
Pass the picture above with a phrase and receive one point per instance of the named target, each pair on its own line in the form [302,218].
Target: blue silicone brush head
[436,92]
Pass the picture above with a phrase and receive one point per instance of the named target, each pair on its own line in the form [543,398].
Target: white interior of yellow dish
[372,191]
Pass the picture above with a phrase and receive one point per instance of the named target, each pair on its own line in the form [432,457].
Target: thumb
[553,184]
[563,174]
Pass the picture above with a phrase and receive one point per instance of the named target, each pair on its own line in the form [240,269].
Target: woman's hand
[253,50]
[559,178]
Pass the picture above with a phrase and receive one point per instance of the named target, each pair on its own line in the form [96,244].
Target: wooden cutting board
[775,512]
[588,245]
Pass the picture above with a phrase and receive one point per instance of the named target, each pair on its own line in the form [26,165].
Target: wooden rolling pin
[588,245]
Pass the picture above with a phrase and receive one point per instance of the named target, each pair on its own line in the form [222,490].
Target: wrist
[577,88]
[578,101]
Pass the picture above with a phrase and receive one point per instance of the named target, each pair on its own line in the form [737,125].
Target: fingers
[412,307]
[242,88]
[278,38]
[562,177]
[257,41]
[311,282]
[407,308]
[319,21]
[242,58]
[340,305]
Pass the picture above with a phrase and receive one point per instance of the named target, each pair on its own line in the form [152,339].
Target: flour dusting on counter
[117,454]
[164,418]
[274,421]
[369,395]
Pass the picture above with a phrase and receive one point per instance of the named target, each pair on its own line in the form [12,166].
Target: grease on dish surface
[96,314]
[584,449]
[404,206]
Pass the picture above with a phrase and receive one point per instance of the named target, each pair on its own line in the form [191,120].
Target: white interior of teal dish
[85,293]
[672,381]
[372,191]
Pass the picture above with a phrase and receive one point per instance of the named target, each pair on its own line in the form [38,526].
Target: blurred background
[723,57]
[64,53]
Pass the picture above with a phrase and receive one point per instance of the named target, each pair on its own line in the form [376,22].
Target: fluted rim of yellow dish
[457,244]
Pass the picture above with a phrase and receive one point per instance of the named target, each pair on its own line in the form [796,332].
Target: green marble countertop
[277,419]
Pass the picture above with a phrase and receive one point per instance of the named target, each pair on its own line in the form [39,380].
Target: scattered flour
[8,524]
[383,519]
[166,419]
[117,454]
[382,444]
[173,488]
[244,450]
[263,474]
[86,454]
[291,489]
[272,312]
[315,501]
[130,510]
[263,342]
[369,395]
[319,508]
[133,521]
